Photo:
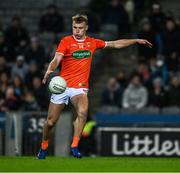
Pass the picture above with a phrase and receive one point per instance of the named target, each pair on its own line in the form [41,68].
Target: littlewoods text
[147,145]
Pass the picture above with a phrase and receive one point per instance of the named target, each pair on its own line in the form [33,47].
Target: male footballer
[75,52]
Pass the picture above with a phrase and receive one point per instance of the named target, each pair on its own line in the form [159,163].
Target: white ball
[57,85]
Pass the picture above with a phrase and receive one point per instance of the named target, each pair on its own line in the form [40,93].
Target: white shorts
[67,94]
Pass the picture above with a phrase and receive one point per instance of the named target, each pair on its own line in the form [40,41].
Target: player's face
[79,30]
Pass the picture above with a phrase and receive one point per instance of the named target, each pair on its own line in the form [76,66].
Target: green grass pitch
[87,164]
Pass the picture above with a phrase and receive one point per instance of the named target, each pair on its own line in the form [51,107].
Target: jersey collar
[79,40]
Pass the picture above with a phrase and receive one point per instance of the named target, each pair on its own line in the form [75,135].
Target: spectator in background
[115,14]
[135,95]
[158,69]
[157,17]
[129,6]
[4,82]
[147,32]
[18,86]
[173,63]
[3,87]
[112,94]
[139,9]
[29,102]
[5,49]
[171,45]
[40,93]
[33,71]
[51,21]
[35,53]
[174,92]
[20,68]
[158,97]
[11,102]
[121,79]
[143,72]
[3,65]
[17,36]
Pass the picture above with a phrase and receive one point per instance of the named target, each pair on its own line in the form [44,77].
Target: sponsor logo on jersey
[81,54]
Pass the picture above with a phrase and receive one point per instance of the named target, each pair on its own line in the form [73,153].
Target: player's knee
[50,123]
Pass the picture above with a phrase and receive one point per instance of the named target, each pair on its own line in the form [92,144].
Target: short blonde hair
[79,18]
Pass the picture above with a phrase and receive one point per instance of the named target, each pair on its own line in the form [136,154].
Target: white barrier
[23,133]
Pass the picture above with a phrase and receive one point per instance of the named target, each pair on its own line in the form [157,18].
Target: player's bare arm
[127,42]
[52,66]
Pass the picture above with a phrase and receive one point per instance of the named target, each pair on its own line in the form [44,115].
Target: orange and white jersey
[76,63]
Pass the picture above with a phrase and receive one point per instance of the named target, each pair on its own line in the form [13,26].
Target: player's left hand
[144,42]
[46,76]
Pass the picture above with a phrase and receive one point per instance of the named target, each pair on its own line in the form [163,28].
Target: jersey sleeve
[62,47]
[100,44]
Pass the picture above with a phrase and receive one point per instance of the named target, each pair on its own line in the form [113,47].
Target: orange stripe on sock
[75,141]
[44,144]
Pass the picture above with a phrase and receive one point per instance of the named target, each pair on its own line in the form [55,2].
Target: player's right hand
[46,76]
[144,42]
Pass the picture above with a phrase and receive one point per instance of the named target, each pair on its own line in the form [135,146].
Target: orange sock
[75,141]
[44,144]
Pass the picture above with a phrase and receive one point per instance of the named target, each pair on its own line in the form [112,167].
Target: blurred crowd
[144,87]
[23,61]
[155,81]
